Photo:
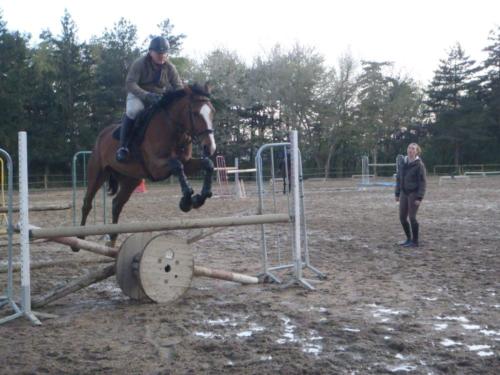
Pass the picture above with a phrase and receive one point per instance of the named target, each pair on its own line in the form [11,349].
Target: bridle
[196,136]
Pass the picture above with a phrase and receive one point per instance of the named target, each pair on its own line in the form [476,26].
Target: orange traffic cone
[141,188]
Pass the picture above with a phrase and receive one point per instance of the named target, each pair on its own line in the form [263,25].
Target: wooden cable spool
[155,268]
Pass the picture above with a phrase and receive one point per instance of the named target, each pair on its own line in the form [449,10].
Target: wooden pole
[73,286]
[225,275]
[55,263]
[158,226]
[48,207]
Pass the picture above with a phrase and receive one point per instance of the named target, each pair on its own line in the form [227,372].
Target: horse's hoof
[198,201]
[186,204]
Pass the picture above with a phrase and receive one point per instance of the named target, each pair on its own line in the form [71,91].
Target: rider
[149,77]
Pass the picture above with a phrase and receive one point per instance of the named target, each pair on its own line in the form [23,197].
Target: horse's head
[201,114]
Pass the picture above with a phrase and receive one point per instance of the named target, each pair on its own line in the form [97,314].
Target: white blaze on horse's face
[205,112]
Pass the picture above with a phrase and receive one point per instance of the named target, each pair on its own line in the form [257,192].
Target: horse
[164,148]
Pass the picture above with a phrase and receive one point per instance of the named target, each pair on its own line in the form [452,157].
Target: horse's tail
[112,185]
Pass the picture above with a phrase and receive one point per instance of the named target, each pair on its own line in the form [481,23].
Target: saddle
[138,130]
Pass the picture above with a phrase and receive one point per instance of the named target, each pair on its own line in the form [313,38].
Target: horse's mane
[170,97]
[199,90]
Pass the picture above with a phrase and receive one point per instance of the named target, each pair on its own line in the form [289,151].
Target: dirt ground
[382,309]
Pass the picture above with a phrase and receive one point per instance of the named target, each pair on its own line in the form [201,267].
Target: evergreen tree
[61,102]
[374,87]
[113,53]
[175,40]
[491,88]
[452,102]
[15,86]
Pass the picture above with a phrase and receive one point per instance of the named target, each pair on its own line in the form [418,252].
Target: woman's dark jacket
[411,178]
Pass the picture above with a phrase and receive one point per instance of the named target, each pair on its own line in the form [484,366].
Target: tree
[451,96]
[112,54]
[337,104]
[374,87]
[15,89]
[61,104]
[175,40]
[491,88]
[227,73]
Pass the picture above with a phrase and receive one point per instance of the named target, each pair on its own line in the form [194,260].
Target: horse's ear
[208,87]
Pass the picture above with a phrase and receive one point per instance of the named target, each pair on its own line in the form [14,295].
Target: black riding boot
[414,230]
[406,228]
[126,127]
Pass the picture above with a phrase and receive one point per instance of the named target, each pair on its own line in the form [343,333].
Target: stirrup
[122,154]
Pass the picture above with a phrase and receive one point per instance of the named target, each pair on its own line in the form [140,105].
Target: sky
[414,34]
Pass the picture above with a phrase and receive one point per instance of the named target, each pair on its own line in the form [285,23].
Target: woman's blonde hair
[419,150]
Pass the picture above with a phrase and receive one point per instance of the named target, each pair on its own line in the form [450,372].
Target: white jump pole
[297,253]
[24,229]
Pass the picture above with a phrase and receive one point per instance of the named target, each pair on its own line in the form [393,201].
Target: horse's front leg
[207,166]
[177,169]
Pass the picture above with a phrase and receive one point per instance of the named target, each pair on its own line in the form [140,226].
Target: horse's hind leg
[127,186]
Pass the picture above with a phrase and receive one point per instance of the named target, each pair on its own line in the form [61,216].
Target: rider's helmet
[159,44]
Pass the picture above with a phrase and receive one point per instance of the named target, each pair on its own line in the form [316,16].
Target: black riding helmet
[159,44]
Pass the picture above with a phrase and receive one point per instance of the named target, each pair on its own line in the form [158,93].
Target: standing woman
[411,182]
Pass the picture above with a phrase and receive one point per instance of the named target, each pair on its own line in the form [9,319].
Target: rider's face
[158,58]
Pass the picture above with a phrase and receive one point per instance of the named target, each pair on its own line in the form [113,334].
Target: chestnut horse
[175,122]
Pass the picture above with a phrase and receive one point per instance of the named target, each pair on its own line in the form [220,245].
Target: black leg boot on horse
[177,169]
[206,192]
[125,131]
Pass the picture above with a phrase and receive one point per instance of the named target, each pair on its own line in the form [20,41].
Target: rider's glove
[152,98]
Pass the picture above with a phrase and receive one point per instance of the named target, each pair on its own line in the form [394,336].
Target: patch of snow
[461,319]
[471,326]
[244,334]
[345,238]
[485,354]
[288,336]
[350,329]
[403,367]
[205,335]
[440,326]
[490,332]
[475,348]
[221,322]
[448,342]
